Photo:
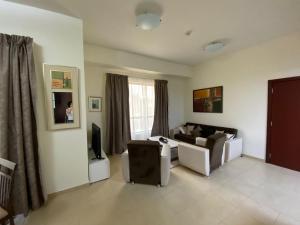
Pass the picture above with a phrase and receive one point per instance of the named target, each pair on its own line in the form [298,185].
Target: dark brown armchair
[6,179]
[145,162]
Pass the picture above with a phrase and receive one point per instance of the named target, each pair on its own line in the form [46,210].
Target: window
[141,103]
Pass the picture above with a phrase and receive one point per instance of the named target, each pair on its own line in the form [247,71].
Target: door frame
[269,113]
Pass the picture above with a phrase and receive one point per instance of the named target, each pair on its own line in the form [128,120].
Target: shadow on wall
[44,137]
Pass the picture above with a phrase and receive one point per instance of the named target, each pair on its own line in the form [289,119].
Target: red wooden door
[283,144]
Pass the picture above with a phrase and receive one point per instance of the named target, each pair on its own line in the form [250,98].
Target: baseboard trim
[252,157]
[52,195]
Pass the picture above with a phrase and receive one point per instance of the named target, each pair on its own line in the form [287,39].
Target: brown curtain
[18,131]
[117,113]
[161,111]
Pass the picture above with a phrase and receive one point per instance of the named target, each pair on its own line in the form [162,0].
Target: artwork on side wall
[209,100]
[61,93]
[95,104]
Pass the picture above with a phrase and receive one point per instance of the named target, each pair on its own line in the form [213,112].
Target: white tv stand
[99,169]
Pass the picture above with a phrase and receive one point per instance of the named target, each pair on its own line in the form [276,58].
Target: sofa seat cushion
[185,138]
[201,141]
[3,213]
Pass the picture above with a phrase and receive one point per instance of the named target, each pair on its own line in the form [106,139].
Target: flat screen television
[96,141]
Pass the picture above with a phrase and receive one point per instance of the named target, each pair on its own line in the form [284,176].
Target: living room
[241,51]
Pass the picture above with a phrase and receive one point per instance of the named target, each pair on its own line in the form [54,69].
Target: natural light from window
[141,103]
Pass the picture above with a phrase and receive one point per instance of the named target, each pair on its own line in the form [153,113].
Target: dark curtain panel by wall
[161,111]
[18,131]
[117,113]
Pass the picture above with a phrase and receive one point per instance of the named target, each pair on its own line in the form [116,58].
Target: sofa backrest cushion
[208,130]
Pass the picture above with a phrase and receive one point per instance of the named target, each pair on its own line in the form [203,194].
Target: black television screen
[96,140]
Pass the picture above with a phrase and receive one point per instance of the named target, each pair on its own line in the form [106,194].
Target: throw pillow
[182,129]
[196,132]
[189,129]
[219,132]
[229,136]
[198,128]
[201,141]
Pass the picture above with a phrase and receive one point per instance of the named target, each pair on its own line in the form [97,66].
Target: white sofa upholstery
[233,147]
[165,164]
[195,157]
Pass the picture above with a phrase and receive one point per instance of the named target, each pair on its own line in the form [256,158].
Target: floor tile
[243,192]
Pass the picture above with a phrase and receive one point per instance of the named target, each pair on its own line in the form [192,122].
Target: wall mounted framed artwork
[95,104]
[61,80]
[208,100]
[61,96]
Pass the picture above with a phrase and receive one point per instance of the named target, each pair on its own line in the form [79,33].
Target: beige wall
[244,76]
[95,83]
[58,40]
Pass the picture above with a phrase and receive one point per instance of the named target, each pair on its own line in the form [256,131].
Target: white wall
[58,40]
[110,57]
[95,83]
[95,86]
[244,76]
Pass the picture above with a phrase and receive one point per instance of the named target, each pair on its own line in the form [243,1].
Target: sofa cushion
[207,131]
[219,132]
[229,136]
[201,141]
[182,129]
[189,129]
[211,129]
[196,132]
[185,138]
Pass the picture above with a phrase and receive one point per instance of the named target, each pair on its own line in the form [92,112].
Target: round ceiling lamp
[147,21]
[214,46]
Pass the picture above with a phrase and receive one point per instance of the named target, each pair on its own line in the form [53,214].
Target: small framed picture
[95,104]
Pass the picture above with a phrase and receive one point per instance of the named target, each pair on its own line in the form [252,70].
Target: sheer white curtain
[141,103]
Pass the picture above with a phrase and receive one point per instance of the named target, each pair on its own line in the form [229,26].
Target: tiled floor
[243,192]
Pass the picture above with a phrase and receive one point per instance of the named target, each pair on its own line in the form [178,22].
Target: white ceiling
[243,23]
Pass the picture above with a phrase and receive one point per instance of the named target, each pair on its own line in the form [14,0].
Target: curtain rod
[132,76]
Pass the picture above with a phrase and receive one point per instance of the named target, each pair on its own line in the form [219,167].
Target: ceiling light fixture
[147,21]
[214,46]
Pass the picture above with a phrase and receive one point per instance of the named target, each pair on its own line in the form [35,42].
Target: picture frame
[208,100]
[61,96]
[95,104]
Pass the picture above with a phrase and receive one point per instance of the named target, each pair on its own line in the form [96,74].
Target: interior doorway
[283,128]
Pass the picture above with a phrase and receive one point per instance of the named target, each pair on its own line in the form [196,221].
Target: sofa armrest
[194,157]
[233,149]
[165,164]
[125,166]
